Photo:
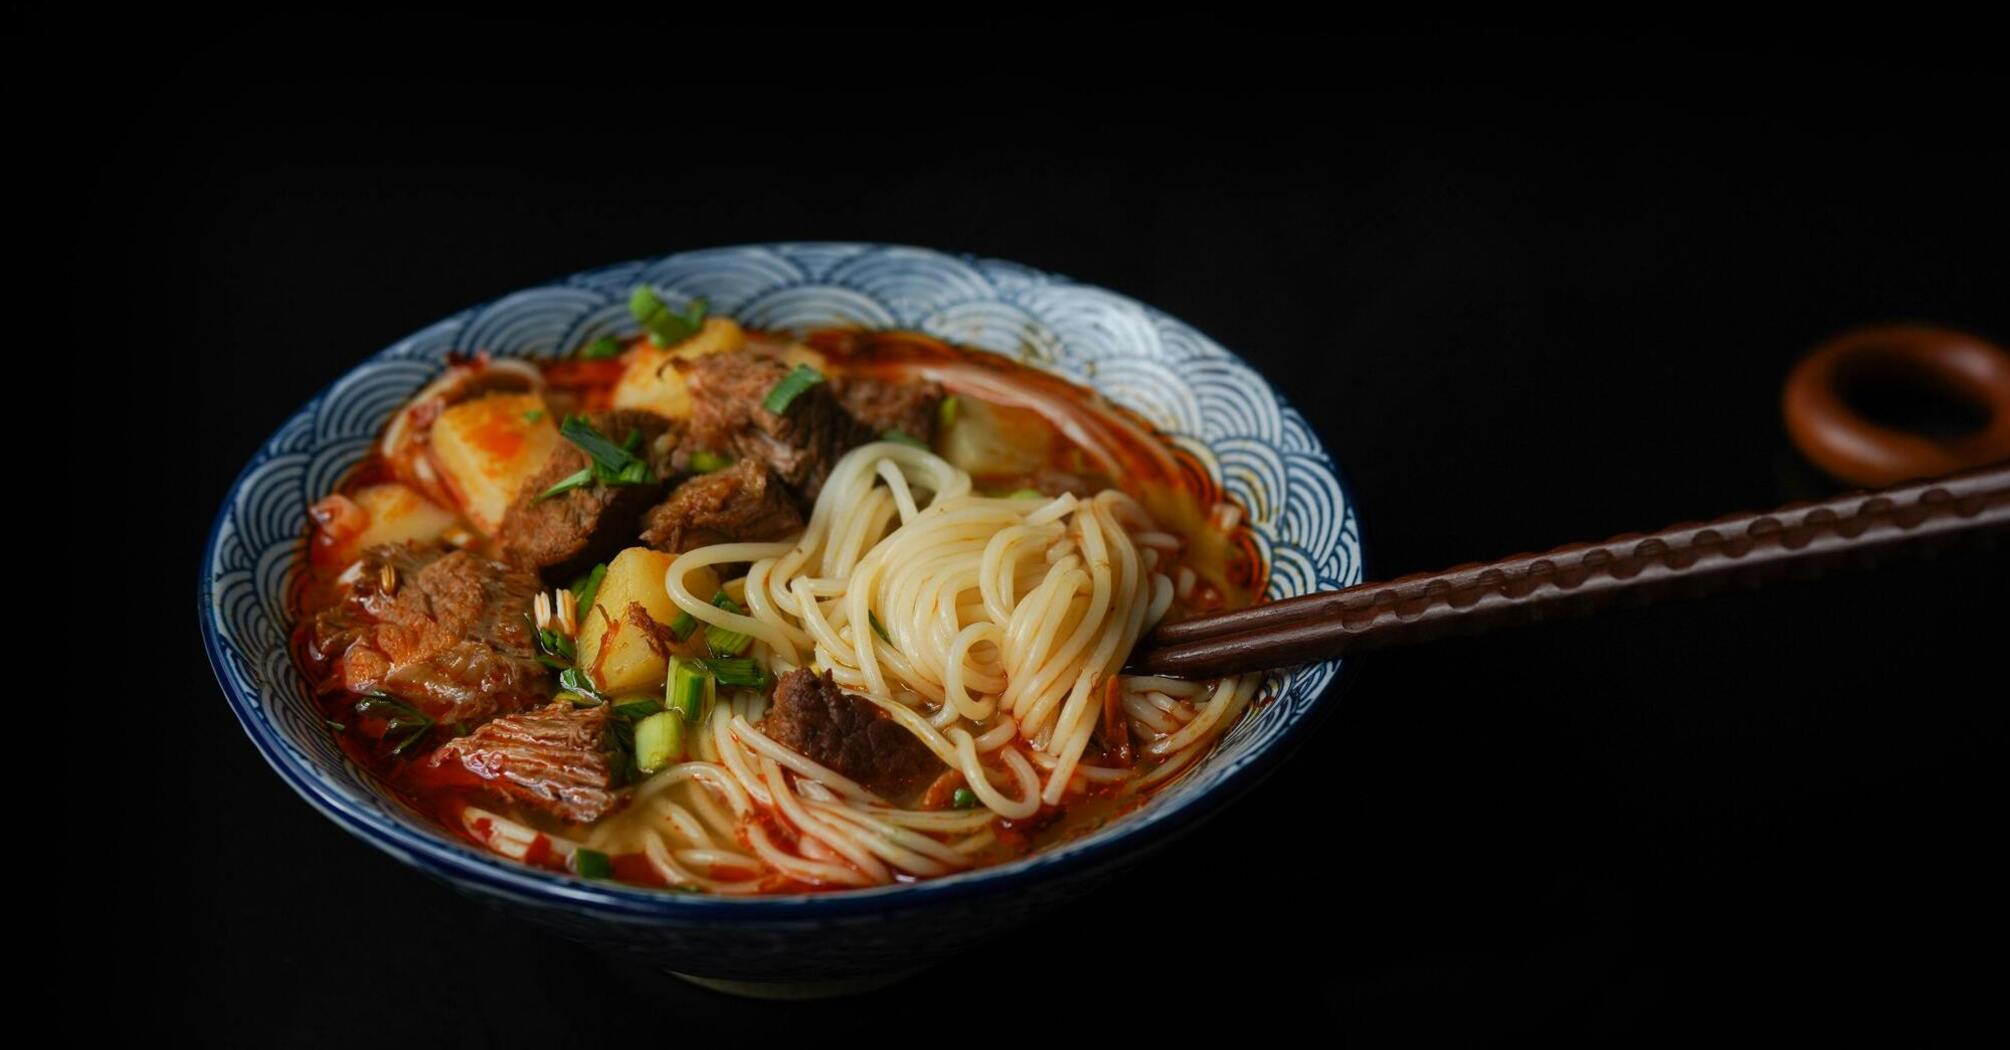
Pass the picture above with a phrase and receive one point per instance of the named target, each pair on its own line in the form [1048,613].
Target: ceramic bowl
[1201,395]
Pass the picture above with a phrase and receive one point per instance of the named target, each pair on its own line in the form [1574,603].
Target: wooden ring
[1859,452]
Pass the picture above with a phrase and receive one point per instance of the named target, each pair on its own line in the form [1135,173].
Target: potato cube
[617,650]
[652,382]
[487,448]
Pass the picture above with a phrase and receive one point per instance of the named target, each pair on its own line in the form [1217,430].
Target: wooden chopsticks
[1800,540]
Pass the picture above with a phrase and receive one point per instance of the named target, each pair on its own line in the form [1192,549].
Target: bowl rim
[437,854]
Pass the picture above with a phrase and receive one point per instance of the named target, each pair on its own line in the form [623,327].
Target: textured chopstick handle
[1801,540]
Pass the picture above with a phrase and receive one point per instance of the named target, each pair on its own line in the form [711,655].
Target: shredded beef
[913,408]
[451,636]
[551,758]
[568,533]
[801,444]
[743,502]
[811,715]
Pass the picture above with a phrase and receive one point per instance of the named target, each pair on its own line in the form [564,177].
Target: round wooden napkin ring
[1857,451]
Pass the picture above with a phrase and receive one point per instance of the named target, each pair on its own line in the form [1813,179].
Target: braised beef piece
[551,758]
[567,534]
[801,444]
[913,408]
[811,715]
[743,502]
[450,635]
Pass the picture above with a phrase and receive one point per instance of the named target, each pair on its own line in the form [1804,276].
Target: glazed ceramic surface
[1201,395]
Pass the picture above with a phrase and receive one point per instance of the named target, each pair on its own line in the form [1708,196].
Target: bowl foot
[800,990]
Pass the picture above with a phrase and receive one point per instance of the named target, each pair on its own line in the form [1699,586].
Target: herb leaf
[791,386]
[612,464]
[601,349]
[404,724]
[667,326]
[566,484]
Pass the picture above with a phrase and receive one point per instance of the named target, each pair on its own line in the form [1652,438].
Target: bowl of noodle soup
[999,671]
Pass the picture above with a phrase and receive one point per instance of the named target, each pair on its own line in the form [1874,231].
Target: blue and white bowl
[1211,403]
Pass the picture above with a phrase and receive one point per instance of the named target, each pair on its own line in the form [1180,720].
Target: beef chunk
[565,535]
[801,444]
[745,501]
[912,408]
[451,635]
[811,715]
[551,758]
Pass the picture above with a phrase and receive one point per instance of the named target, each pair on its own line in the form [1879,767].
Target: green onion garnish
[591,864]
[533,415]
[964,799]
[792,385]
[685,623]
[723,642]
[659,741]
[878,628]
[570,482]
[574,680]
[945,413]
[577,699]
[743,671]
[601,349]
[587,587]
[402,721]
[705,462]
[612,464]
[669,327]
[903,437]
[689,690]
[637,709]
[1027,494]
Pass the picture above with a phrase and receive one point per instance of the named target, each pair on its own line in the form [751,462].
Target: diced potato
[614,649]
[391,513]
[651,382]
[489,447]
[990,440]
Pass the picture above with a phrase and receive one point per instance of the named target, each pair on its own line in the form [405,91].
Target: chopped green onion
[401,720]
[577,681]
[587,587]
[591,864]
[1027,494]
[792,385]
[704,461]
[669,327]
[659,741]
[964,799]
[878,628]
[743,671]
[685,623]
[689,690]
[577,699]
[612,464]
[723,642]
[637,709]
[903,437]
[601,349]
[570,482]
[533,415]
[945,413]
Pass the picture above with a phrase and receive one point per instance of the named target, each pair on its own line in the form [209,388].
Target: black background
[1532,285]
